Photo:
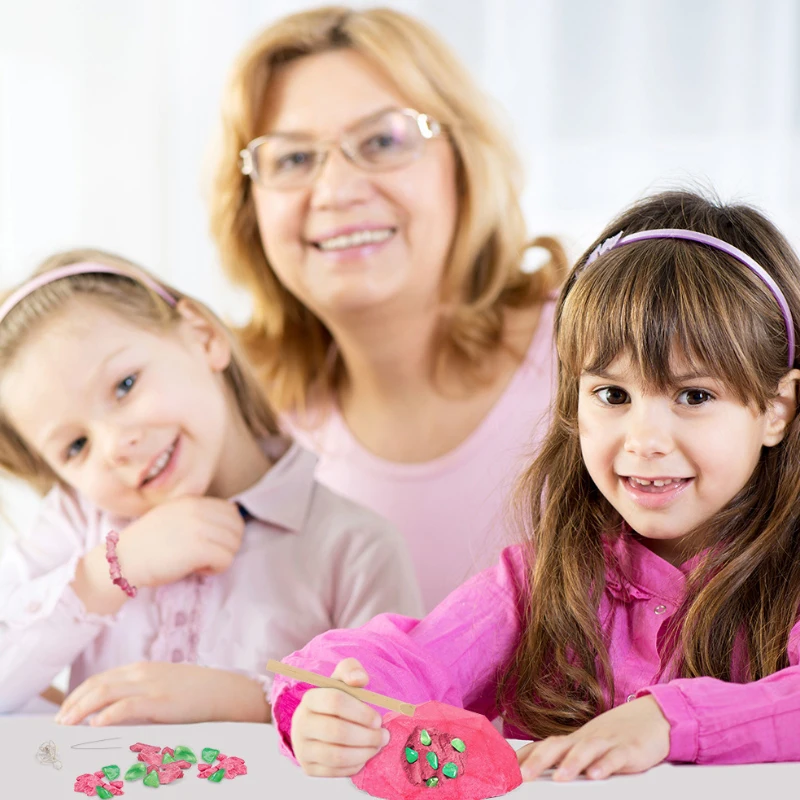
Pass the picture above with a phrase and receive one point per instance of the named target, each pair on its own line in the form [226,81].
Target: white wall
[107,110]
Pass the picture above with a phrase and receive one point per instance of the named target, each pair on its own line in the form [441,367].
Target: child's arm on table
[452,656]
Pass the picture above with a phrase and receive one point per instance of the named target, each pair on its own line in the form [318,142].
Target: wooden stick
[331,683]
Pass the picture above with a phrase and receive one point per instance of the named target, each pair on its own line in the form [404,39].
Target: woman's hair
[649,301]
[287,343]
[137,303]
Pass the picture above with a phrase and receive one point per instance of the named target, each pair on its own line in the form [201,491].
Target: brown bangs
[668,298]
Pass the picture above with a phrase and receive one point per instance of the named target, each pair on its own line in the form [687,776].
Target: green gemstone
[432,782]
[217,776]
[411,755]
[138,770]
[450,769]
[432,759]
[151,779]
[104,793]
[425,738]
[458,745]
[111,772]
[185,754]
[209,754]
[168,759]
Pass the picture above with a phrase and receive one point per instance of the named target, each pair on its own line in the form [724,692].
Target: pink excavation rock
[441,753]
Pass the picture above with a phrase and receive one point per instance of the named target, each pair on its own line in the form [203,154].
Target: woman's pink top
[451,510]
[454,654]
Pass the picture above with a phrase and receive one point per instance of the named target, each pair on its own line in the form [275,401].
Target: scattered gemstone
[151,779]
[458,745]
[209,754]
[185,754]
[432,759]
[104,793]
[111,772]
[425,737]
[432,782]
[412,756]
[137,771]
[217,776]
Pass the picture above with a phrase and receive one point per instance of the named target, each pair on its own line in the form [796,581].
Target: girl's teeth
[657,482]
[356,239]
[160,463]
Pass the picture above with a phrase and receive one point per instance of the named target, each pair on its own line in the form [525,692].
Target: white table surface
[271,776]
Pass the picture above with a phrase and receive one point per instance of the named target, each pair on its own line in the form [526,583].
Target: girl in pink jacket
[651,611]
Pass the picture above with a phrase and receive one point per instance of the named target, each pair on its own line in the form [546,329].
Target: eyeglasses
[385,141]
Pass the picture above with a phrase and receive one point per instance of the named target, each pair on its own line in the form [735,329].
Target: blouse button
[630,697]
[177,655]
[180,618]
[659,609]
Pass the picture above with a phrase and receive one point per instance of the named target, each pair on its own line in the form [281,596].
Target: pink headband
[80,268]
[620,240]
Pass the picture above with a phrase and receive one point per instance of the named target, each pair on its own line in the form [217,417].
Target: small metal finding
[47,754]
[82,745]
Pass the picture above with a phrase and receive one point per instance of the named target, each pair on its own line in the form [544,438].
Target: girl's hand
[333,734]
[630,738]
[155,691]
[179,537]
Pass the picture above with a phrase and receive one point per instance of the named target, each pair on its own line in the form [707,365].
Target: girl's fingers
[335,703]
[351,672]
[335,731]
[124,712]
[614,761]
[546,754]
[94,698]
[583,753]
[335,757]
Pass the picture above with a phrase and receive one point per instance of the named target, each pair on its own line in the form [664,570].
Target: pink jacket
[454,653]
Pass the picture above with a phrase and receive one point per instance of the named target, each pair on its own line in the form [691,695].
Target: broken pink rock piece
[169,750]
[151,758]
[139,747]
[233,766]
[171,772]
[86,784]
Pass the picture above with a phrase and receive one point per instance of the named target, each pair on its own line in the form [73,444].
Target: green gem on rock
[138,770]
[458,745]
[432,782]
[217,776]
[151,779]
[450,770]
[111,772]
[185,754]
[209,754]
[411,755]
[425,738]
[168,759]
[104,793]
[432,759]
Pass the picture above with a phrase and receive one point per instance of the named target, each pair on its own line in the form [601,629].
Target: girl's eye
[612,395]
[75,448]
[694,397]
[125,385]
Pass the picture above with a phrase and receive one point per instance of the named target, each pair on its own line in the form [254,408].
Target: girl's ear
[782,409]
[205,332]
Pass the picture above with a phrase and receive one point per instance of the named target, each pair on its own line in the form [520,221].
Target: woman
[369,202]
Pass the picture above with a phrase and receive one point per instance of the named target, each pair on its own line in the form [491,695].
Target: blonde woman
[368,199]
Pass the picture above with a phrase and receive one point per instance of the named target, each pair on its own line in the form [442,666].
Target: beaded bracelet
[113,565]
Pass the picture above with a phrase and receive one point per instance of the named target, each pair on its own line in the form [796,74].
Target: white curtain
[107,110]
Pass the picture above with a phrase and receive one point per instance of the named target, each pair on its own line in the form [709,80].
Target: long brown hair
[136,302]
[288,344]
[645,300]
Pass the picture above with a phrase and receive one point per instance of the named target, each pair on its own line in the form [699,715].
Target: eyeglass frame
[428,127]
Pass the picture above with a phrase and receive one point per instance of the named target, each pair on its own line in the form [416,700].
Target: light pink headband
[80,268]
